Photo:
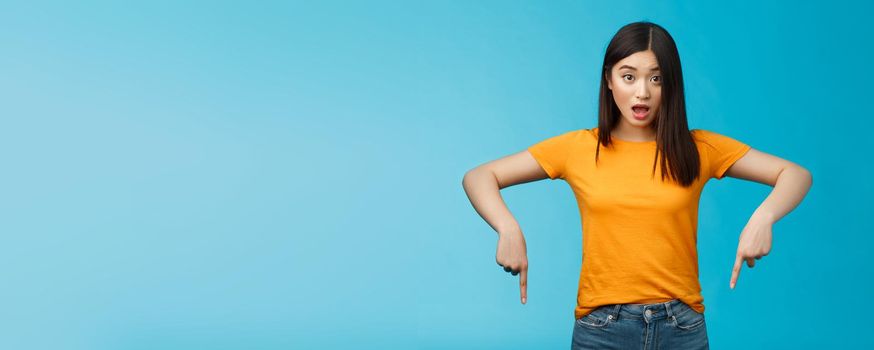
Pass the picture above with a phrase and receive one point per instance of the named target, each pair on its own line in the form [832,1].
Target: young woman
[637,178]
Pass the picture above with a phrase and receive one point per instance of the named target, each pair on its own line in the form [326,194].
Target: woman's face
[636,80]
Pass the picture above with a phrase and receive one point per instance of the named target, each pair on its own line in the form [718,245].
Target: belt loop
[616,311]
[668,308]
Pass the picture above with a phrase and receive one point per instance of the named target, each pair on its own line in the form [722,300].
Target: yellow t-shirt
[639,233]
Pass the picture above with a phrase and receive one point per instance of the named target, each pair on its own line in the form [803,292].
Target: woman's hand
[754,243]
[513,256]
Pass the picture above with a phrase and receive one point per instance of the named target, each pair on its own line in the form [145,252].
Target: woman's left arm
[790,182]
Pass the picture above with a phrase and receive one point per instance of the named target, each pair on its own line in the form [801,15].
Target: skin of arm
[790,183]
[482,186]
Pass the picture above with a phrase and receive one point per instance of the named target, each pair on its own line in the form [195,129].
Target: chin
[640,123]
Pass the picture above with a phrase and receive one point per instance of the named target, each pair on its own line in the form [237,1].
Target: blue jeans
[668,325]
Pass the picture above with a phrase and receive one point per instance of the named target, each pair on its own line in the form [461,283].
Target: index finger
[523,284]
[735,272]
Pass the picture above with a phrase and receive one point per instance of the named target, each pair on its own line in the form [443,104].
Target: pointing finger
[523,285]
[735,272]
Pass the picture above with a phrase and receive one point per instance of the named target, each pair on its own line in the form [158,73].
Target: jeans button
[648,312]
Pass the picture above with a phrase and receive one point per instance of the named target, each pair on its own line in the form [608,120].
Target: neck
[629,132]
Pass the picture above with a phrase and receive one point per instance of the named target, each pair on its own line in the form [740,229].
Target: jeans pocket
[598,318]
[686,318]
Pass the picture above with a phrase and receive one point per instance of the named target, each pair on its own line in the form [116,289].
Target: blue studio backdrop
[287,175]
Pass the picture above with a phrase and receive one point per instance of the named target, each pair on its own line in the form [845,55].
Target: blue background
[237,175]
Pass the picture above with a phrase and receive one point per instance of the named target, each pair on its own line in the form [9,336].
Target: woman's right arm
[482,185]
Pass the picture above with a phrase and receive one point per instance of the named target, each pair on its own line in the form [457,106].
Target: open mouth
[640,111]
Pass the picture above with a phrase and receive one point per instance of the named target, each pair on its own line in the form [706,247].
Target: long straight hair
[679,155]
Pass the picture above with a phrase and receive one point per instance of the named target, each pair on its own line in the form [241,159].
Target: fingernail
[524,300]
[732,286]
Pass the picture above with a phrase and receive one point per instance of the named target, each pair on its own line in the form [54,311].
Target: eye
[658,78]
[627,75]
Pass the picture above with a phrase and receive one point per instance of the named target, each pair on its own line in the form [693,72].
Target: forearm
[484,194]
[791,187]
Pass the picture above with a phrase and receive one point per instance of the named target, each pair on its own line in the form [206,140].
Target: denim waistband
[653,311]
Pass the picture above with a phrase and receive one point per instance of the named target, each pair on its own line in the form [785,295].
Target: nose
[642,91]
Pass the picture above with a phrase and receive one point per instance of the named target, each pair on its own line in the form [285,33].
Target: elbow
[465,180]
[805,174]
[472,175]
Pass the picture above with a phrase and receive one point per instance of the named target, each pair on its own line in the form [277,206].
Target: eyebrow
[632,68]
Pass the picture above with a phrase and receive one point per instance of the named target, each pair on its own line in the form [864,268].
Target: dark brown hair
[674,142]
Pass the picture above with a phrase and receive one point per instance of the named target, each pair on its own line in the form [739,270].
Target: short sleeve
[552,153]
[722,152]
